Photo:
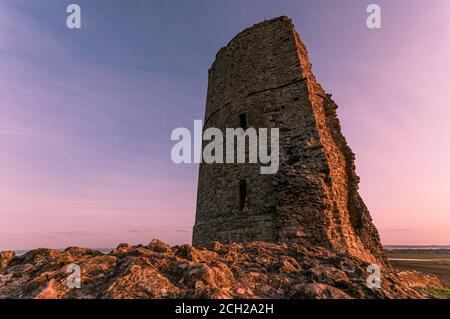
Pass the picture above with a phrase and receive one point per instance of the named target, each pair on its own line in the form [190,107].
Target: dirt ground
[436,262]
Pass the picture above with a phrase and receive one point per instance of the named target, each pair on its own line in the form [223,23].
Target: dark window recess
[243,120]
[243,196]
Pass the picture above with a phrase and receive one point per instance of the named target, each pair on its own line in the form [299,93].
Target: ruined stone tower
[263,79]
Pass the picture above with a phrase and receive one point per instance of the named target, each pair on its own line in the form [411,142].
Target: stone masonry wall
[265,72]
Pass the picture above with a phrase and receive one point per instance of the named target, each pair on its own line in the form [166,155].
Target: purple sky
[86,115]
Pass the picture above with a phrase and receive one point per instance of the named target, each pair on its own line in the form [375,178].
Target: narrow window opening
[243,196]
[243,120]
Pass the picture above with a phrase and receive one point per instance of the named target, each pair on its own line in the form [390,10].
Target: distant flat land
[434,261]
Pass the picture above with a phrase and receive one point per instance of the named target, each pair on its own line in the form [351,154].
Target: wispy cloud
[397,230]
[78,233]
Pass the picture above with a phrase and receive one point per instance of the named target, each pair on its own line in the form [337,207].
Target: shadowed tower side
[263,79]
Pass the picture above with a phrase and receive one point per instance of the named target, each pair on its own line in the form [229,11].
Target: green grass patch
[442,293]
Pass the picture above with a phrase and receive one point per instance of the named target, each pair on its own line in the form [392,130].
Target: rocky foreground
[254,270]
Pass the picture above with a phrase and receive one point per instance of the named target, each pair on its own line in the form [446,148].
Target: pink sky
[85,118]
[396,121]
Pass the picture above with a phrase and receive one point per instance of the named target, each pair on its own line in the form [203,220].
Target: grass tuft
[441,293]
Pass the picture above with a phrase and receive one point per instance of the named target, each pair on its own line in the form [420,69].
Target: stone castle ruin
[263,79]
